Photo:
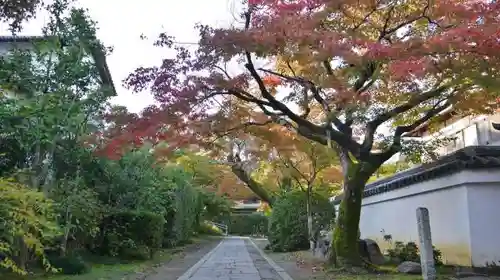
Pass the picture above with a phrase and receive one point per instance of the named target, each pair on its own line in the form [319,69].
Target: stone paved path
[234,258]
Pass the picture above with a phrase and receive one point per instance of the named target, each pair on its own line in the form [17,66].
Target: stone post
[425,239]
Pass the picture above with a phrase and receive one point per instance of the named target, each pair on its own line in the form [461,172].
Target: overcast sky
[122,22]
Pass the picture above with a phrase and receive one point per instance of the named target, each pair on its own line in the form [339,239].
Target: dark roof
[98,56]
[23,39]
[473,157]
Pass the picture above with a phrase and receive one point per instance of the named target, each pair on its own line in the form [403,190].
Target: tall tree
[373,72]
[55,92]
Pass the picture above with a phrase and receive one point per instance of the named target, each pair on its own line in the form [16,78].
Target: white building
[461,190]
[8,43]
[468,131]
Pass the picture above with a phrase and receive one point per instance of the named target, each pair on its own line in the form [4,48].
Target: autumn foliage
[345,69]
[271,81]
[448,44]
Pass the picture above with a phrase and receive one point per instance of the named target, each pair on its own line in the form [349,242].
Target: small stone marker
[426,252]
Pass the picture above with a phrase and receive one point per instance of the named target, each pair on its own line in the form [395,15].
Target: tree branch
[331,117]
[227,132]
[401,130]
[310,130]
[290,164]
[372,126]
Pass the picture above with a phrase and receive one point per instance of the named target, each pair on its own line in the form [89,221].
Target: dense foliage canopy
[357,76]
[59,199]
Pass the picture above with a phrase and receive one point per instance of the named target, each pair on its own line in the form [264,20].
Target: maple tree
[360,73]
[226,168]
[214,176]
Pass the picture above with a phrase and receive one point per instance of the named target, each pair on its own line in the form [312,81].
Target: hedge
[288,221]
[183,222]
[132,234]
[248,224]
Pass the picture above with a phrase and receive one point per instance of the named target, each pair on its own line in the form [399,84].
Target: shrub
[27,226]
[288,221]
[128,232]
[183,221]
[215,206]
[69,265]
[132,251]
[409,252]
[184,218]
[248,224]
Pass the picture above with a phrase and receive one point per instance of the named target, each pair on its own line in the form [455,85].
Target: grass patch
[109,268]
[103,269]
[386,272]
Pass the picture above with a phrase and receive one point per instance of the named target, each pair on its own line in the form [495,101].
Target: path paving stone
[180,263]
[234,259]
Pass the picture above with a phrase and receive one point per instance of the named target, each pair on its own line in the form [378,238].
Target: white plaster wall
[448,199]
[449,221]
[484,206]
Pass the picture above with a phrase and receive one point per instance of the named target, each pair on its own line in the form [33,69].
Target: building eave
[468,158]
[21,39]
[97,54]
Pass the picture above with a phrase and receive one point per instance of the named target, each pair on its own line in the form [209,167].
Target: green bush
[125,233]
[132,251]
[184,215]
[183,221]
[27,221]
[288,221]
[169,237]
[248,224]
[409,252]
[69,265]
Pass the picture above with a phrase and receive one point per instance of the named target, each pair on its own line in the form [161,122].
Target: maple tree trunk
[346,233]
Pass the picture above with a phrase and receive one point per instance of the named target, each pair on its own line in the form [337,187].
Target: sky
[121,24]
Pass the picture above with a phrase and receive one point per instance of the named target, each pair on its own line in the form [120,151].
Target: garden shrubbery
[401,252]
[73,188]
[70,264]
[27,226]
[165,212]
[188,210]
[248,224]
[132,234]
[288,221]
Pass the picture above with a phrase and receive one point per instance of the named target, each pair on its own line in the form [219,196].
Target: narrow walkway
[235,258]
